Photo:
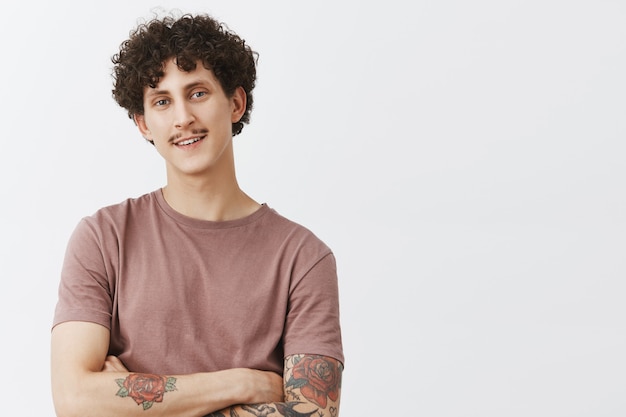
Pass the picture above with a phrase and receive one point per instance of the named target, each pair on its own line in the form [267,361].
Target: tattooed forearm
[312,388]
[145,389]
[318,377]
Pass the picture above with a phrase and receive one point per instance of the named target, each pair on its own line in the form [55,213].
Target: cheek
[157,128]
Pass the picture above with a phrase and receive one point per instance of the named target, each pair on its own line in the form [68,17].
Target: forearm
[282,409]
[312,387]
[107,394]
[85,382]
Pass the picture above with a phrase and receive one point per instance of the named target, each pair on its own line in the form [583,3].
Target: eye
[161,102]
[198,94]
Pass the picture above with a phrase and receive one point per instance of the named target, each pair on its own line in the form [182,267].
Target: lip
[196,138]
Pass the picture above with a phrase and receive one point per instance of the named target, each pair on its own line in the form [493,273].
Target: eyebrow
[153,92]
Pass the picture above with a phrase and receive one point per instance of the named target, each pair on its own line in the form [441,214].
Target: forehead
[175,78]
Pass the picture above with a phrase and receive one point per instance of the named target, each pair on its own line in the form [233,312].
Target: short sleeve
[84,291]
[313,322]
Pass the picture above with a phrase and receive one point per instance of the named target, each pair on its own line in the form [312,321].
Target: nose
[183,115]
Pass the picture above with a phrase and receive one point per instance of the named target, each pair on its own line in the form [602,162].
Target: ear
[140,121]
[238,100]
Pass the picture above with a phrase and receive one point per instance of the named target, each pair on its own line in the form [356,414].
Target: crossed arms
[85,382]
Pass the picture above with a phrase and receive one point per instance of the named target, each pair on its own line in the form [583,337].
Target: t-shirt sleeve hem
[331,353]
[104,319]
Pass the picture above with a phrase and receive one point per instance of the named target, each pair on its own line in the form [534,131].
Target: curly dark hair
[187,39]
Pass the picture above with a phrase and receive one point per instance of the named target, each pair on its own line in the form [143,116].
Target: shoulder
[292,231]
[114,218]
[119,212]
[294,243]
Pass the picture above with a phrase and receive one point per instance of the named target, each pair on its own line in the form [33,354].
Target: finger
[113,364]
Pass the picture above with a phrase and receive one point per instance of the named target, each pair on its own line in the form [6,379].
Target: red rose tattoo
[318,379]
[145,389]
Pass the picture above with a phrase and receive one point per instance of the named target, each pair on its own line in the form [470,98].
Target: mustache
[193,132]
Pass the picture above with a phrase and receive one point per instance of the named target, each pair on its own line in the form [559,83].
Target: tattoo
[286,409]
[145,389]
[259,410]
[317,377]
[217,414]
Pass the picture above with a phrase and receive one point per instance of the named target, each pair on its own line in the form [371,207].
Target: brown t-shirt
[182,295]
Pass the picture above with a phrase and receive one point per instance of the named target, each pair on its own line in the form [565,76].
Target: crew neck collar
[206,224]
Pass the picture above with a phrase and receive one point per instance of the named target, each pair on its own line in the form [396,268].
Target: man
[194,299]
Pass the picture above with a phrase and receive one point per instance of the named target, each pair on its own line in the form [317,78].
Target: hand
[113,364]
[262,386]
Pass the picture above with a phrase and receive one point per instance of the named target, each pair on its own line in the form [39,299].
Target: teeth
[188,142]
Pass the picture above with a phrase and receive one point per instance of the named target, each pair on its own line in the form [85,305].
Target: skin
[201,180]
[84,381]
[201,183]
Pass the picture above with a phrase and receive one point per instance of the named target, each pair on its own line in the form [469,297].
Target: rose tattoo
[317,378]
[145,389]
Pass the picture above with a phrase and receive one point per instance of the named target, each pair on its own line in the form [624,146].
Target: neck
[204,199]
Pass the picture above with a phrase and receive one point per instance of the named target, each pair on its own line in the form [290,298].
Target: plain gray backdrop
[464,160]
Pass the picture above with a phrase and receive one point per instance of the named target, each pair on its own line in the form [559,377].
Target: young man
[194,299]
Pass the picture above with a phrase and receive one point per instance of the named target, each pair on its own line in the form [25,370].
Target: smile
[189,141]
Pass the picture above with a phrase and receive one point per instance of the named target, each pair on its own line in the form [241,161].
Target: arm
[85,382]
[312,385]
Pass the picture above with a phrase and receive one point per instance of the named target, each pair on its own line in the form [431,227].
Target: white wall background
[464,159]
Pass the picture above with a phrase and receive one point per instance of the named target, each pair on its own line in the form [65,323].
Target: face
[189,118]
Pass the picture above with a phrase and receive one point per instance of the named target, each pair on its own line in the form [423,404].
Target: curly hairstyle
[188,39]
